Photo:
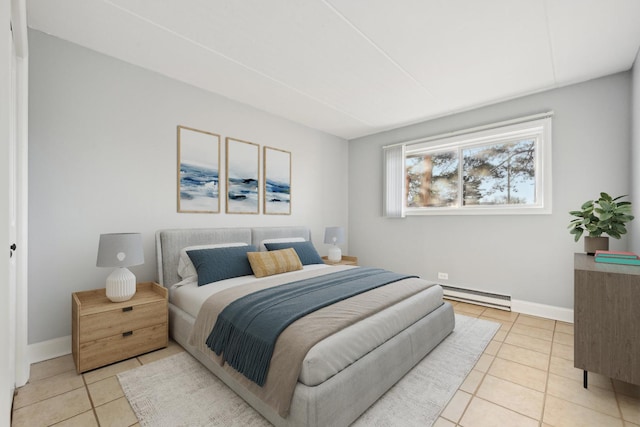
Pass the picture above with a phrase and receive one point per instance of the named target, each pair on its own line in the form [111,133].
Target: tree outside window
[500,174]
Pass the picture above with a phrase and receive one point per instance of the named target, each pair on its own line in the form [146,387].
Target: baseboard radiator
[487,299]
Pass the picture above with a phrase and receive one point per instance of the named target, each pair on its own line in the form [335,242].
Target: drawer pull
[127,334]
[127,309]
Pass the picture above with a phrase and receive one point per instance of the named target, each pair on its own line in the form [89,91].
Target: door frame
[20,116]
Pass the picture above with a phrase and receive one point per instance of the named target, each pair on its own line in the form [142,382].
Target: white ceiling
[357,67]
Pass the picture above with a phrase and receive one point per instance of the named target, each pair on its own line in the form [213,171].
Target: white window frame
[534,127]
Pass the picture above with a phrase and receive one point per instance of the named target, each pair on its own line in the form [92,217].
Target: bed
[344,373]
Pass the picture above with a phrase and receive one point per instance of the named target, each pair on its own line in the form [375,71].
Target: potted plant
[605,215]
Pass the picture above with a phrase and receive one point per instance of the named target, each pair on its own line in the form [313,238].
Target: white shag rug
[180,391]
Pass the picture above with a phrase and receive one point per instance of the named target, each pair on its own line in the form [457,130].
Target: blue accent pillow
[305,250]
[217,264]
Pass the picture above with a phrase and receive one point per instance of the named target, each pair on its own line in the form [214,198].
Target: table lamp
[334,236]
[120,250]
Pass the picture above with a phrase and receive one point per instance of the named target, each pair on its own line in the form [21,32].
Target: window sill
[479,210]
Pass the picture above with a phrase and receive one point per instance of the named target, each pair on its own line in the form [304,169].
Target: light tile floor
[525,377]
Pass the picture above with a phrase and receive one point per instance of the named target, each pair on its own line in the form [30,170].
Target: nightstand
[104,332]
[346,260]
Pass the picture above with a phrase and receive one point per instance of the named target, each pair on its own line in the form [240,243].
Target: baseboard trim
[542,310]
[50,349]
[57,347]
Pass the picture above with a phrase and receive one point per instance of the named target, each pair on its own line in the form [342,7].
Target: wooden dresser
[607,319]
[105,332]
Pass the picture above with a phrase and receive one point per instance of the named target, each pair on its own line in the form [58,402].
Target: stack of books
[617,257]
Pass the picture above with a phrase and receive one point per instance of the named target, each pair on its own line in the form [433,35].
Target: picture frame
[277,181]
[198,171]
[242,176]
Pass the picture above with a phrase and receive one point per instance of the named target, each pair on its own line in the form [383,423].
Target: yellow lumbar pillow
[274,262]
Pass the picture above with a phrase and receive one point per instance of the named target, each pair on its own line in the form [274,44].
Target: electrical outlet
[443,276]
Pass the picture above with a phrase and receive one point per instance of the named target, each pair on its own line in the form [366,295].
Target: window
[498,169]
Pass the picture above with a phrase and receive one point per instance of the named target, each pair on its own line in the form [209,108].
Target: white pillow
[279,240]
[186,268]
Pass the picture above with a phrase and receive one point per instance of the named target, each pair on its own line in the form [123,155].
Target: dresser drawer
[114,348]
[115,322]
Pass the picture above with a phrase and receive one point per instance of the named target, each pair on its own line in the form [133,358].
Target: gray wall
[103,159]
[527,256]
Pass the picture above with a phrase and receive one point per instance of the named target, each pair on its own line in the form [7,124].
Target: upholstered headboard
[259,234]
[170,242]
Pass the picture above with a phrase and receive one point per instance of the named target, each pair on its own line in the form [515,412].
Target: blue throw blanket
[247,329]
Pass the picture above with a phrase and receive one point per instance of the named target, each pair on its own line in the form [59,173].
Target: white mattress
[334,353]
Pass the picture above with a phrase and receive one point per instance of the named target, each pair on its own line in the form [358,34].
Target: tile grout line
[509,409]
[616,396]
[546,382]
[93,408]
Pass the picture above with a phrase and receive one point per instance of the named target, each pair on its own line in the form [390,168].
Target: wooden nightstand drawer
[115,322]
[105,332]
[118,347]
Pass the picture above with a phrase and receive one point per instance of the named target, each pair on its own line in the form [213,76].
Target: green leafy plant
[605,215]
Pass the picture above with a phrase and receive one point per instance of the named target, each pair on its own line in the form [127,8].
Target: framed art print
[198,171]
[277,181]
[242,176]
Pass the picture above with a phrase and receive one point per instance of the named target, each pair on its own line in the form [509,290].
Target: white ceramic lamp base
[334,254]
[121,285]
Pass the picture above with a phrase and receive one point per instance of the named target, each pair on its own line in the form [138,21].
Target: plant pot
[593,244]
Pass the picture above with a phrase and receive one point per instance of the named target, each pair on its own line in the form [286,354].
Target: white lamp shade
[334,235]
[120,250]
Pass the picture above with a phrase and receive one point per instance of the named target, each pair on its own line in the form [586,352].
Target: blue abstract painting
[198,171]
[277,181]
[242,176]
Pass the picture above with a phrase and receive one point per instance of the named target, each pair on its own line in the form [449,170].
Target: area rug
[179,391]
